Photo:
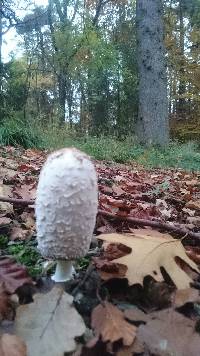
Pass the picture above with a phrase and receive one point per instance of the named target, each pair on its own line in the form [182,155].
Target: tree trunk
[181,89]
[152,126]
[61,97]
[1,64]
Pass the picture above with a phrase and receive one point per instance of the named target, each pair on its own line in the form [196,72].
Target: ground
[128,308]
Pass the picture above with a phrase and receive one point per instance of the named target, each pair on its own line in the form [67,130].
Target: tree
[152,125]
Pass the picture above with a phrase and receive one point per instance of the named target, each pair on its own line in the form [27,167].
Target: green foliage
[16,132]
[3,241]
[27,255]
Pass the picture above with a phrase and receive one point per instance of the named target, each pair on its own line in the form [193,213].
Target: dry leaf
[109,322]
[12,345]
[7,311]
[5,221]
[193,204]
[134,349]
[150,251]
[18,233]
[169,333]
[183,296]
[13,275]
[135,314]
[50,324]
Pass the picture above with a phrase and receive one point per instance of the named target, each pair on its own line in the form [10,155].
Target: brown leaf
[12,345]
[6,307]
[25,191]
[193,204]
[135,314]
[109,323]
[117,190]
[183,296]
[134,349]
[13,275]
[150,251]
[5,221]
[17,233]
[169,333]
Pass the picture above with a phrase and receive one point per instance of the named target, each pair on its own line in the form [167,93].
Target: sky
[10,40]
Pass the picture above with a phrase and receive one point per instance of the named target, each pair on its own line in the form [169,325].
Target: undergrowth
[177,155]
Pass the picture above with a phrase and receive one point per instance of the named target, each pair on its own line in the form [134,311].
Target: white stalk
[64,271]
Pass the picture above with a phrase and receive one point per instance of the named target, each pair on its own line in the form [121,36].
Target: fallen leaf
[193,253]
[169,333]
[183,296]
[134,349]
[50,325]
[28,220]
[25,191]
[13,275]
[6,308]
[5,221]
[12,345]
[150,251]
[135,314]
[109,323]
[193,204]
[18,233]
[117,190]
[194,220]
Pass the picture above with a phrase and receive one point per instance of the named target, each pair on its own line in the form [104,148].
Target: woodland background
[79,68]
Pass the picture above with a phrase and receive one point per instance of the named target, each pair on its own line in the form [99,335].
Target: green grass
[177,155]
[27,255]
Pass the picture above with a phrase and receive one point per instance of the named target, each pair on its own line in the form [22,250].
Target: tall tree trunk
[181,89]
[1,64]
[62,96]
[152,125]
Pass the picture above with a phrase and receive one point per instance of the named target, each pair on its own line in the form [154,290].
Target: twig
[88,272]
[157,224]
[17,201]
[141,222]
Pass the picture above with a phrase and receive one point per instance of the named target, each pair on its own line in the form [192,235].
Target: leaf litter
[105,304]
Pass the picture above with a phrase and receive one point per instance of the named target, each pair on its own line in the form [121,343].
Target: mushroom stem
[64,271]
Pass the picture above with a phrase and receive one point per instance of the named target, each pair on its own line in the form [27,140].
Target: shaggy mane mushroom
[66,208]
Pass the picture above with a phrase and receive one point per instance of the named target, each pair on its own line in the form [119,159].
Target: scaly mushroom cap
[66,205]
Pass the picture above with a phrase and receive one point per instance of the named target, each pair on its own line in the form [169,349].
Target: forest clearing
[99,177]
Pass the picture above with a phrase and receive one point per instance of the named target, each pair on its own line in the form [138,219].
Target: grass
[177,155]
[24,253]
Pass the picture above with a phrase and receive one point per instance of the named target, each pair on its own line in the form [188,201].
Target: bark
[62,96]
[181,89]
[1,64]
[152,126]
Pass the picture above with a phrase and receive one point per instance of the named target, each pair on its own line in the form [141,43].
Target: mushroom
[66,208]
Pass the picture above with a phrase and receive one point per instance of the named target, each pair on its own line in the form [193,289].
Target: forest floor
[137,293]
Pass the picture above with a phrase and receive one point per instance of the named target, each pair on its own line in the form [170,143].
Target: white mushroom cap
[66,205]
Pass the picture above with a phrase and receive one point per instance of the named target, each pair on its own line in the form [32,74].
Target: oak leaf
[150,251]
[109,323]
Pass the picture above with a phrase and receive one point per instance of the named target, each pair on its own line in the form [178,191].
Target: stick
[141,222]
[157,224]
[17,201]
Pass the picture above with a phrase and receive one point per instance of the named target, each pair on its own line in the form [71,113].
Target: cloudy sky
[10,40]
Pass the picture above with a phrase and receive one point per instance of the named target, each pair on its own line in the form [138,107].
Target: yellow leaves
[152,250]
